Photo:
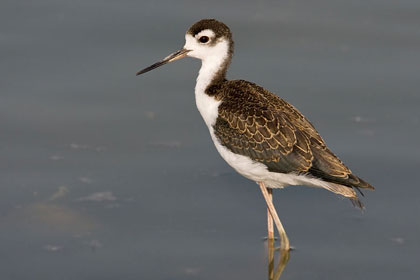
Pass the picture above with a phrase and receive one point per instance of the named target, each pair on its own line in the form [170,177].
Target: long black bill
[172,57]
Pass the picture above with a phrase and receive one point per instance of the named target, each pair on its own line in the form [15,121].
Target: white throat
[210,65]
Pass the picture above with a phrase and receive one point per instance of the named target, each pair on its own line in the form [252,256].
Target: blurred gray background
[105,175]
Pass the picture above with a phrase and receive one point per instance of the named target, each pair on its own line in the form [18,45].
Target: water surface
[105,175]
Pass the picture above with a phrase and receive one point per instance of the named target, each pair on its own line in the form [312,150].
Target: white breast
[208,107]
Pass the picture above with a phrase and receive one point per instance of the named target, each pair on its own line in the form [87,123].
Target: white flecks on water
[53,248]
[61,192]
[99,197]
[56,157]
[85,180]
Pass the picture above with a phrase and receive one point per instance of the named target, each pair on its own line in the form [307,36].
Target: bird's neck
[213,69]
[212,73]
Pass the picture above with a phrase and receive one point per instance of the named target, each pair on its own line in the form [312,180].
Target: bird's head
[207,39]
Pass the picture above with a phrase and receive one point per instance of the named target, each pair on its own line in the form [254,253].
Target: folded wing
[258,124]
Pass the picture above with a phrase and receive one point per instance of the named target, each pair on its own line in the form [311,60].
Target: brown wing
[256,123]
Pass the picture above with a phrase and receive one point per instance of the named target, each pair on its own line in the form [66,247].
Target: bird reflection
[274,272]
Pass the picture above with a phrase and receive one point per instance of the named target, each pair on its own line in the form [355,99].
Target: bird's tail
[346,191]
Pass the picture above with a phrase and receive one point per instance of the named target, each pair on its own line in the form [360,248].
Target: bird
[260,135]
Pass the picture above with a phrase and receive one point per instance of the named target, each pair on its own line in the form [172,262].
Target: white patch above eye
[206,32]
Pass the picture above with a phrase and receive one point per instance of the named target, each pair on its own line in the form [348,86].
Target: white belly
[258,172]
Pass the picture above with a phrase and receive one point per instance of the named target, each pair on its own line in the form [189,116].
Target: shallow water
[105,175]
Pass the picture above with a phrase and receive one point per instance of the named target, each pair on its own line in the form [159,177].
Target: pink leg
[283,237]
[270,224]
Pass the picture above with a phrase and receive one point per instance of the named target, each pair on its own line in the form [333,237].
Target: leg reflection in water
[274,272]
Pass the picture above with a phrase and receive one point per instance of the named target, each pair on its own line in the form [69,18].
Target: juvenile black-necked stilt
[260,135]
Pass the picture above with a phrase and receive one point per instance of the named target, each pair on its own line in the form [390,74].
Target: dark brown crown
[219,28]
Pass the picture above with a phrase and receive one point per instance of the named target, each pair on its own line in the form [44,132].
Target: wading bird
[260,135]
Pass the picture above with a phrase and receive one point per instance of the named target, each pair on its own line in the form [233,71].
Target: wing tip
[357,203]
[363,184]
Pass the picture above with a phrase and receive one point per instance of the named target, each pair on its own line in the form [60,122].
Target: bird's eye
[204,39]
